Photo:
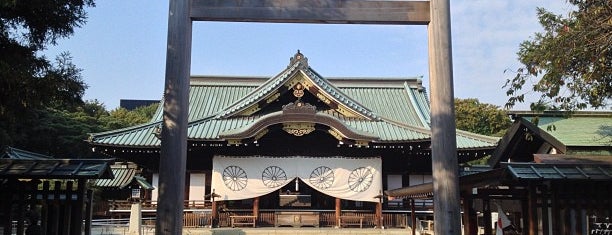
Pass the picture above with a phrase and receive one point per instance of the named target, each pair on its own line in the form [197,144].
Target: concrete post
[135,219]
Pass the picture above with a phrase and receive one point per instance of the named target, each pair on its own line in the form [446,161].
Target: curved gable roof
[385,110]
[298,71]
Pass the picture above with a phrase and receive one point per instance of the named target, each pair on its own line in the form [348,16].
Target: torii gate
[435,14]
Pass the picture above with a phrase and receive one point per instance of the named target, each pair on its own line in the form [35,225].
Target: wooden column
[66,210]
[525,215]
[88,212]
[20,212]
[256,207]
[214,217]
[379,218]
[44,212]
[545,209]
[54,213]
[555,209]
[78,208]
[486,216]
[533,209]
[470,225]
[413,216]
[447,216]
[7,205]
[338,211]
[173,155]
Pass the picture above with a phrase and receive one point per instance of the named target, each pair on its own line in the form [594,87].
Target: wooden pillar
[556,209]
[486,216]
[88,212]
[470,225]
[173,155]
[66,210]
[78,207]
[533,209]
[214,217]
[256,208]
[21,196]
[413,216]
[447,215]
[545,209]
[7,204]
[379,217]
[54,212]
[44,212]
[338,211]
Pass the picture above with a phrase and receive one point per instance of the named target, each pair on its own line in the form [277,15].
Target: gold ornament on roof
[298,90]
[299,129]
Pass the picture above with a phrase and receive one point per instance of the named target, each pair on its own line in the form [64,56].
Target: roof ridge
[111,132]
[299,63]
[363,110]
[257,93]
[476,135]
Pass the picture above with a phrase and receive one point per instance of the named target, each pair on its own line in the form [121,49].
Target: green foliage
[121,117]
[481,118]
[63,133]
[479,162]
[57,132]
[30,83]
[570,63]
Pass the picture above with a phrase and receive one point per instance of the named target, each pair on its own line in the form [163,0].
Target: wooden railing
[114,205]
[198,214]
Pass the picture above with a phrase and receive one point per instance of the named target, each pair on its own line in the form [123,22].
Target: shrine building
[300,142]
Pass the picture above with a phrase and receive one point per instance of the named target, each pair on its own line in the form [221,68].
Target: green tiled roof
[55,168]
[559,171]
[124,176]
[15,153]
[578,129]
[392,110]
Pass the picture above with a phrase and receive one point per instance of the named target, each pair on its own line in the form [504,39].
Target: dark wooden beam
[320,11]
[173,156]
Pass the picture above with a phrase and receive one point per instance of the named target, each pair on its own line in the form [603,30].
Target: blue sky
[121,48]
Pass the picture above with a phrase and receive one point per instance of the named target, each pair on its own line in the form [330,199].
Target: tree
[481,118]
[28,81]
[121,117]
[63,133]
[570,62]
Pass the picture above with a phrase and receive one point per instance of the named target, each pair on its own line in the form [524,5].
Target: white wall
[197,183]
[394,182]
[419,179]
[155,192]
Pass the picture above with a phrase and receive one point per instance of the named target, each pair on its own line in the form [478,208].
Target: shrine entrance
[174,128]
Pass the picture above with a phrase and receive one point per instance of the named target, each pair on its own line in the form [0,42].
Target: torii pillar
[434,13]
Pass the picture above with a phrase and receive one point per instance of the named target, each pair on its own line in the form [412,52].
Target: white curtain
[237,178]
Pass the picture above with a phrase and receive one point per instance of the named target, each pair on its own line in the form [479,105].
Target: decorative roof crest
[299,107]
[299,57]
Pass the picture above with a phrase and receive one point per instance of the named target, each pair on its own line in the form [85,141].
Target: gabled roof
[540,171]
[55,168]
[575,170]
[298,73]
[124,176]
[15,153]
[574,129]
[521,141]
[377,110]
[556,130]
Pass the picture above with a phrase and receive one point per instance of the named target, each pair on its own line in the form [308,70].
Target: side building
[300,141]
